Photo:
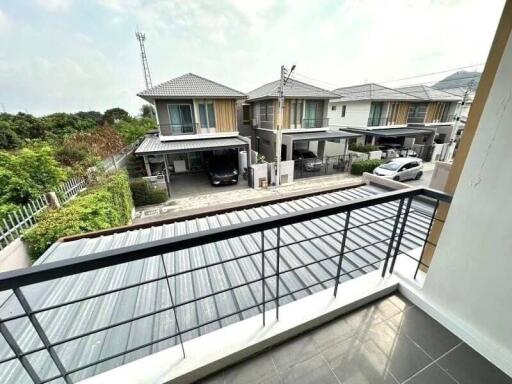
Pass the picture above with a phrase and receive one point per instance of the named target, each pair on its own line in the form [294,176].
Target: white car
[400,169]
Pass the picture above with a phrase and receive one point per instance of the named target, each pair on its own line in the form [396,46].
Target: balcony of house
[108,308]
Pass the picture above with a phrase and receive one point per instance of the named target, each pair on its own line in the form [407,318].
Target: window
[206,115]
[180,118]
[333,108]
[246,114]
[343,110]
[295,112]
[267,111]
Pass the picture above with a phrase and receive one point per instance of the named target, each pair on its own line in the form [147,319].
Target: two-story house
[402,116]
[305,120]
[196,118]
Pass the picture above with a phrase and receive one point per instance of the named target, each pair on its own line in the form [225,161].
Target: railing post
[426,238]
[25,363]
[392,238]
[263,274]
[277,270]
[172,303]
[342,251]
[41,333]
[400,235]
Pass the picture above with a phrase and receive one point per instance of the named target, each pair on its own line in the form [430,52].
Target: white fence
[16,222]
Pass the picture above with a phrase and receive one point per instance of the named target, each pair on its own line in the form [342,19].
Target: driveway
[428,170]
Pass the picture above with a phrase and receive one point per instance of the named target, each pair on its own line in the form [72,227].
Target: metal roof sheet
[372,91]
[153,144]
[106,310]
[392,132]
[293,88]
[190,85]
[322,135]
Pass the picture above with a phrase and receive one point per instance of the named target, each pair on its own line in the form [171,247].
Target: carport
[386,135]
[324,139]
[180,157]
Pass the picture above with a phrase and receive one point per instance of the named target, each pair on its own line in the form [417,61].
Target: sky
[72,55]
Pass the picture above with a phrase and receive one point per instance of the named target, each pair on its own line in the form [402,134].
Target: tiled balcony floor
[387,342]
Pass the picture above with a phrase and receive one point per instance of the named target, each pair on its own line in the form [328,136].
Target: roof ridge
[214,82]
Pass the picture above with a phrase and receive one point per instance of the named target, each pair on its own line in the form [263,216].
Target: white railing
[16,222]
[119,158]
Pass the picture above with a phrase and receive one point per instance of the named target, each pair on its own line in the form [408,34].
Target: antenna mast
[145,67]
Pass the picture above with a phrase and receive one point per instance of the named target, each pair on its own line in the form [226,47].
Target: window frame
[192,122]
[206,103]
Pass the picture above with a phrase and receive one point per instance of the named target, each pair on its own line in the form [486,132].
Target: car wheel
[418,175]
[396,178]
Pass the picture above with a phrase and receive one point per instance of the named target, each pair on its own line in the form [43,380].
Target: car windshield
[391,166]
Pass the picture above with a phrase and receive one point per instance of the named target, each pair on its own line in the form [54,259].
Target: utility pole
[469,88]
[279,139]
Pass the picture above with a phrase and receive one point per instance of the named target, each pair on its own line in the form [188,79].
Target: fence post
[53,200]
[392,238]
[342,251]
[263,274]
[277,270]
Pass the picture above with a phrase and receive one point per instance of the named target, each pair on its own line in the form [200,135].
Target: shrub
[358,167]
[105,205]
[131,129]
[8,138]
[365,148]
[144,193]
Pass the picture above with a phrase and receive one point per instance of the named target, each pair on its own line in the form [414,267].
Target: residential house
[196,118]
[305,120]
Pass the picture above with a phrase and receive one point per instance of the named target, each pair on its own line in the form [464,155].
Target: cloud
[5,24]
[55,5]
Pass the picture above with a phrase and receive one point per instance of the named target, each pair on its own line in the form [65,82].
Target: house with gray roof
[407,116]
[196,120]
[305,121]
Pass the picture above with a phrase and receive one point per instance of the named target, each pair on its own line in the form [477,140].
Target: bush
[144,193]
[105,205]
[8,138]
[365,148]
[131,129]
[358,167]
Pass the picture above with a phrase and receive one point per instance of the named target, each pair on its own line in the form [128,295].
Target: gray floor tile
[314,370]
[373,314]
[362,365]
[469,367]
[431,375]
[255,370]
[294,351]
[216,378]
[332,333]
[400,301]
[338,350]
[426,332]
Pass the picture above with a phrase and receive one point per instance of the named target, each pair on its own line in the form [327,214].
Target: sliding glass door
[180,117]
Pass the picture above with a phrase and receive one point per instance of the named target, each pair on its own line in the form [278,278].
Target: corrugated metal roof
[293,88]
[322,135]
[392,132]
[98,312]
[371,91]
[155,145]
[190,85]
[423,92]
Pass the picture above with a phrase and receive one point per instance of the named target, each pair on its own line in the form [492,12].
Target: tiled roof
[190,85]
[155,145]
[371,91]
[423,92]
[293,88]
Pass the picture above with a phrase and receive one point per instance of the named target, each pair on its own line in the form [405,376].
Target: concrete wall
[266,144]
[470,281]
[287,169]
[260,173]
[440,175]
[356,114]
[14,256]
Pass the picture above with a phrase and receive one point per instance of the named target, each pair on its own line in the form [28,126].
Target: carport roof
[392,132]
[153,145]
[322,135]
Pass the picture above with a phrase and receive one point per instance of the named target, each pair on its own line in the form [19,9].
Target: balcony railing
[315,123]
[421,120]
[351,217]
[178,129]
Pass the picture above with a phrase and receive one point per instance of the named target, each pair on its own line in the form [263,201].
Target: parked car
[222,170]
[400,169]
[307,159]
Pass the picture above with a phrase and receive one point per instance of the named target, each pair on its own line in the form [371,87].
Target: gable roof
[293,88]
[427,93]
[371,91]
[190,85]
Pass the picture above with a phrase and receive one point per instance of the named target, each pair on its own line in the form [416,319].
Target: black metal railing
[315,123]
[348,217]
[328,165]
[179,129]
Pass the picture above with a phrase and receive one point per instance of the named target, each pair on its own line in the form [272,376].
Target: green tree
[147,111]
[114,115]
[66,123]
[28,173]
[93,115]
[8,138]
[27,126]
[132,129]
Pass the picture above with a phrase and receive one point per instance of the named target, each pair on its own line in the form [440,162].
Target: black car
[222,170]
[306,158]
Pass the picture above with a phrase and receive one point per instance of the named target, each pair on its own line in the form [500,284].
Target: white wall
[356,114]
[470,280]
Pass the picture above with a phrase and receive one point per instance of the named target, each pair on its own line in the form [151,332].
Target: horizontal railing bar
[61,268]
